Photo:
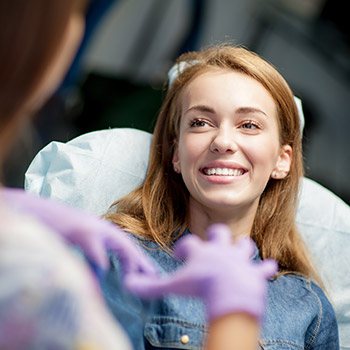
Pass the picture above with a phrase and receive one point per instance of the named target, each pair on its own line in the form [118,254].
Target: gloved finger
[186,245]
[141,263]
[220,233]
[95,251]
[150,287]
[268,268]
[134,261]
[246,247]
[130,255]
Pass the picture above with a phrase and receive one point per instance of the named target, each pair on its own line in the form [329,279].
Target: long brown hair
[158,208]
[30,37]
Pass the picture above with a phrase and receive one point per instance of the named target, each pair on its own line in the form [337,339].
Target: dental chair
[91,171]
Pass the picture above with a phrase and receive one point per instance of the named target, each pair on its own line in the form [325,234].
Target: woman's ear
[283,163]
[176,160]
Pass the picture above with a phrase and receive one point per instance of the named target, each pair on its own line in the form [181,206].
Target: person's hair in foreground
[29,52]
[158,209]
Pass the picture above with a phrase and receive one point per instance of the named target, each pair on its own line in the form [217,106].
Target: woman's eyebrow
[240,110]
[201,108]
[247,110]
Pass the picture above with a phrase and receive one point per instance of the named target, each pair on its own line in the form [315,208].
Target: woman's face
[228,146]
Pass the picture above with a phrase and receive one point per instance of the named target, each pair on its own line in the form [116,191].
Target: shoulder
[324,330]
[303,287]
[21,233]
[299,312]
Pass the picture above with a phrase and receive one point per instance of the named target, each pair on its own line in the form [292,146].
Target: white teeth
[223,171]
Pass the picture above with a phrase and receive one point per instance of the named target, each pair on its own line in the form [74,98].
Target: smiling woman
[228,151]
[227,148]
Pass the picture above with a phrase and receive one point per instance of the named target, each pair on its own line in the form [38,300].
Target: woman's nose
[223,142]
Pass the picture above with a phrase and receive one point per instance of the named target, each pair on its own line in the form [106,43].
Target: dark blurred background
[117,79]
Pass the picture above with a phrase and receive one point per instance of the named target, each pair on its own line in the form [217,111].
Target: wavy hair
[158,209]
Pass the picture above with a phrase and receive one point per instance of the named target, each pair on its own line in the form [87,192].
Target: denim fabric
[298,314]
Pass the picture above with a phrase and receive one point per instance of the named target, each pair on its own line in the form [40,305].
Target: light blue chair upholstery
[93,170]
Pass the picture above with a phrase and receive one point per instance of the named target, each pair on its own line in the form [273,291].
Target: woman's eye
[250,125]
[197,123]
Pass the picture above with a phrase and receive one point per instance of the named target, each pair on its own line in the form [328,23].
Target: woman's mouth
[223,171]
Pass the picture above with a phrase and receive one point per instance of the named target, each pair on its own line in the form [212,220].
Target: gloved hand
[218,271]
[94,235]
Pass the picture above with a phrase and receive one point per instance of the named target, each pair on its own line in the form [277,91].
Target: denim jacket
[298,314]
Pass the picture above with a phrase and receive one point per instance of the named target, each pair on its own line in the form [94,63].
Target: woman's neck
[240,220]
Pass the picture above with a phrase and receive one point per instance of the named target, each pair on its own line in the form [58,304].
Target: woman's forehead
[222,87]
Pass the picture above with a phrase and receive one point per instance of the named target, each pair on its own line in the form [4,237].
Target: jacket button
[185,339]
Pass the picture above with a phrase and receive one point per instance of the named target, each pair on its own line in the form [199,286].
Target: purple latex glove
[94,235]
[218,271]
